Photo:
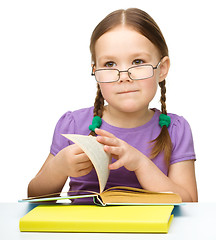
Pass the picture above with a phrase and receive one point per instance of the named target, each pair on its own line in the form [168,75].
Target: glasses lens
[141,72]
[107,75]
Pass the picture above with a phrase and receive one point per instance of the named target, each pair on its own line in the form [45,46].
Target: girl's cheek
[106,90]
[149,84]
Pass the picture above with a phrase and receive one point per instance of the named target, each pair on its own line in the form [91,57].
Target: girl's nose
[124,76]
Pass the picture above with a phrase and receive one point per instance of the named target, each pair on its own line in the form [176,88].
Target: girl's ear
[164,68]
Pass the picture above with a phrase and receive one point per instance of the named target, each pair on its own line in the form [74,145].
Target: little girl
[150,148]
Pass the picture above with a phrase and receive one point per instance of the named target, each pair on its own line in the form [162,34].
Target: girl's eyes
[113,64]
[110,64]
[137,62]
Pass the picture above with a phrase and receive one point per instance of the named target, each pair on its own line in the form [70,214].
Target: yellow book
[91,218]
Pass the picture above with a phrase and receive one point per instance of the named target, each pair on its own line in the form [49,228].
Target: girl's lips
[129,91]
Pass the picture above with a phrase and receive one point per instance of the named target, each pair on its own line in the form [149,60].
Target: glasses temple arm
[92,73]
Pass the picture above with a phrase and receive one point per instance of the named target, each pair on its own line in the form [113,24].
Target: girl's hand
[126,155]
[73,162]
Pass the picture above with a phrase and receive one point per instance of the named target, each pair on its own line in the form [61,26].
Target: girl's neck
[127,119]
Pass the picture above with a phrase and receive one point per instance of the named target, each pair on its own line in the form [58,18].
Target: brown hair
[144,24]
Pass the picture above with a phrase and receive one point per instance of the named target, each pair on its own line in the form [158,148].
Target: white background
[45,71]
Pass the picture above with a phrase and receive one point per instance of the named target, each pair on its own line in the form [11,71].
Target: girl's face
[121,48]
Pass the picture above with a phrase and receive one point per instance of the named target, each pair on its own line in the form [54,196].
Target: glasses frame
[128,71]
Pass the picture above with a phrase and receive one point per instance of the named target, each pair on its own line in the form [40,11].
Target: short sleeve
[182,140]
[65,125]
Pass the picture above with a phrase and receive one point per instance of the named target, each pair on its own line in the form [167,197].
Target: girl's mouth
[128,91]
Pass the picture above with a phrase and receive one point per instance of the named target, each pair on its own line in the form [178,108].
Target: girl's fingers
[104,133]
[116,151]
[116,165]
[82,157]
[85,171]
[76,149]
[85,164]
[107,141]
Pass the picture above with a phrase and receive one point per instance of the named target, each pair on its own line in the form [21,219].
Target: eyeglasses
[140,72]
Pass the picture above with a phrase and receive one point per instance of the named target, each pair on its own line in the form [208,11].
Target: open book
[119,195]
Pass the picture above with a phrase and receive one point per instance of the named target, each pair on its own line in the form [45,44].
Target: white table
[191,221]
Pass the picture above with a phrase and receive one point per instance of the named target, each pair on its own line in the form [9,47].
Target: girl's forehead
[124,40]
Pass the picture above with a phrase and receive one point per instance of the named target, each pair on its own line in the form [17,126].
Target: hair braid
[163,96]
[163,142]
[99,103]
[98,106]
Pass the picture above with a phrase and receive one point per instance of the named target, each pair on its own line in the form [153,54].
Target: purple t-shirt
[77,122]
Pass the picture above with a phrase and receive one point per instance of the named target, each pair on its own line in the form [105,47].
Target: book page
[123,195]
[95,151]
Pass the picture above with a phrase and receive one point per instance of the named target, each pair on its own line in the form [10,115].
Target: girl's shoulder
[182,138]
[177,121]
[77,114]
[179,128]
[75,121]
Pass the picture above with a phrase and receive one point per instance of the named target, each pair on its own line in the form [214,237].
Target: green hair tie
[96,123]
[164,120]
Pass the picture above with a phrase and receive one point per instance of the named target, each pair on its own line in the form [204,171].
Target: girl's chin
[130,108]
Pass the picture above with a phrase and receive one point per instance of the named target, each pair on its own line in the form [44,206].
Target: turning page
[95,151]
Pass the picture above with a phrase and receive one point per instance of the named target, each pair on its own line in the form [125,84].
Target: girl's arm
[48,180]
[181,178]
[71,161]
